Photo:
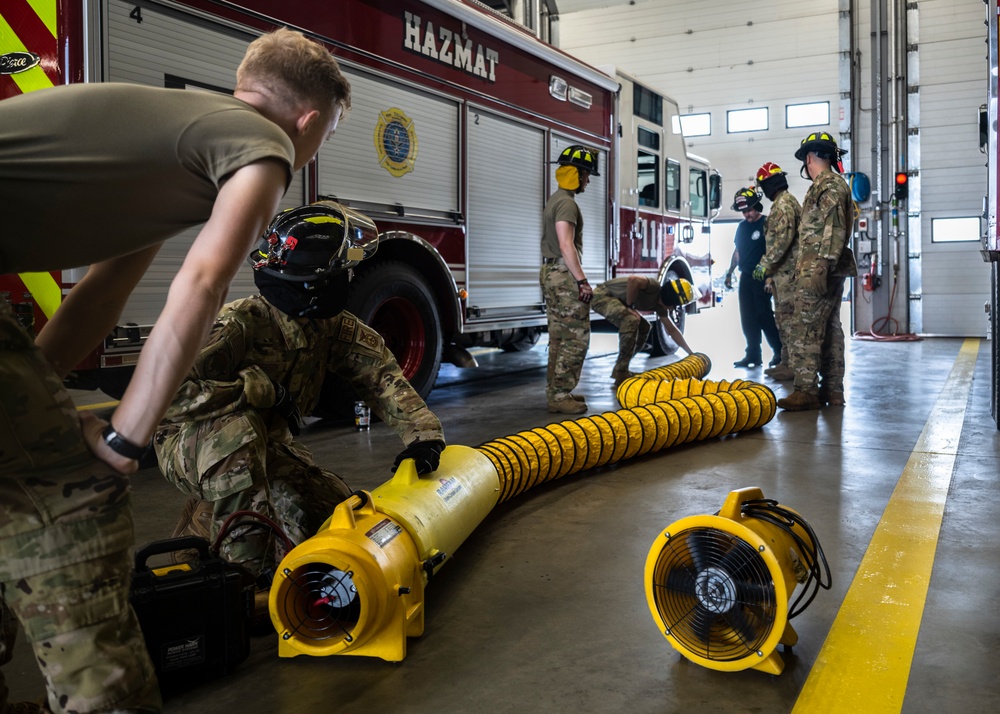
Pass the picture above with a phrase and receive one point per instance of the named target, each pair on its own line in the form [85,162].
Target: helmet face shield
[313,242]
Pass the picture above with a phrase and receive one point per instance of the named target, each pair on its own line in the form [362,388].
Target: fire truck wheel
[660,344]
[394,298]
[114,381]
[523,340]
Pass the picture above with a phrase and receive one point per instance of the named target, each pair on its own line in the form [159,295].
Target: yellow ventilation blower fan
[719,586]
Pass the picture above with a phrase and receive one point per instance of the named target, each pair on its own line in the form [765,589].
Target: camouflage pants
[257,469]
[632,330]
[569,330]
[784,311]
[65,535]
[817,339]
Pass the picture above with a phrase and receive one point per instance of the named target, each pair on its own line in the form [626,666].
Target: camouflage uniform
[65,534]
[782,239]
[568,317]
[817,338]
[609,301]
[220,441]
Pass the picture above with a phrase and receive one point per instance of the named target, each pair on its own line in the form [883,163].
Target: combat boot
[749,362]
[195,520]
[781,373]
[620,375]
[834,399]
[567,405]
[799,402]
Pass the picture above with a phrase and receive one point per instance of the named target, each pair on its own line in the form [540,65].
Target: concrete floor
[543,608]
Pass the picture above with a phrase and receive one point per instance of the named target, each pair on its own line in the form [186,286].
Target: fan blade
[734,560]
[755,593]
[701,625]
[680,580]
[744,628]
[700,545]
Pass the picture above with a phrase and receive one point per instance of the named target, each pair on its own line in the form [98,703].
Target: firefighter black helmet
[311,243]
[580,157]
[747,199]
[822,144]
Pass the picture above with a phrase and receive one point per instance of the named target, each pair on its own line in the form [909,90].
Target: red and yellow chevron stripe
[30,26]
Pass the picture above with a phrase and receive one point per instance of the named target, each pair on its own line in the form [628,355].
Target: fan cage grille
[715,594]
[319,602]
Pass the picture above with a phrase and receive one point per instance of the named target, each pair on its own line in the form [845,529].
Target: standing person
[565,288]
[228,438]
[618,300]
[777,267]
[161,161]
[825,260]
[756,315]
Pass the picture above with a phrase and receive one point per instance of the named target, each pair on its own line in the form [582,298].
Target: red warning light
[902,182]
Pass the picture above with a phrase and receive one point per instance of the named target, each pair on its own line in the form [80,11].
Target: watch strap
[120,445]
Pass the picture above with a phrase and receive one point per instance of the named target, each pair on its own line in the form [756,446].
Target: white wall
[714,55]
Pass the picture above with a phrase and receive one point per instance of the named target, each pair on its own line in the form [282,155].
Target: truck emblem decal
[396,142]
[450,48]
[14,62]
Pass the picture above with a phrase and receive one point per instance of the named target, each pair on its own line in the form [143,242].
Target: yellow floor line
[865,661]
[100,405]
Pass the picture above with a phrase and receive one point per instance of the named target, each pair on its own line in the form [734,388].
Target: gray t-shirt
[93,171]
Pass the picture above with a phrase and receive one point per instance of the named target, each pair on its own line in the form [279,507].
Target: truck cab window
[648,179]
[699,193]
[673,185]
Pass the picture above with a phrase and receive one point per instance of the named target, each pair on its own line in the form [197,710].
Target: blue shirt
[750,244]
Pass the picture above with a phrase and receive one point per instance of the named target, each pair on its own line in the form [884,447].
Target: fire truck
[458,116]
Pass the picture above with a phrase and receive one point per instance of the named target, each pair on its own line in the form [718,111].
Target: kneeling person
[228,438]
[619,301]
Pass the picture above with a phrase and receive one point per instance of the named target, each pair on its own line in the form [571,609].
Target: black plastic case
[195,616]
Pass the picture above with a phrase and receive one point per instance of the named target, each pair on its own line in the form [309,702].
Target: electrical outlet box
[865,247]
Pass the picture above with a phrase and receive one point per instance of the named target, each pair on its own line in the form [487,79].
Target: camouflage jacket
[253,344]
[825,226]
[782,235]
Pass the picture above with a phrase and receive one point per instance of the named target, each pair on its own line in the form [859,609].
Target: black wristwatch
[122,446]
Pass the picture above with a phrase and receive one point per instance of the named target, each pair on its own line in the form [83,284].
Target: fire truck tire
[660,344]
[114,381]
[523,340]
[394,298]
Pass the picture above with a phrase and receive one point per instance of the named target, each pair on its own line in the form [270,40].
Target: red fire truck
[988,117]
[458,113]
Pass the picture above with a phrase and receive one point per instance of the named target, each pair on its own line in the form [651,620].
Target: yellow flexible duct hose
[357,586]
[656,415]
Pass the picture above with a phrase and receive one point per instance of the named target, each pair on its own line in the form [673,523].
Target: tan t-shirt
[561,207]
[646,298]
[92,171]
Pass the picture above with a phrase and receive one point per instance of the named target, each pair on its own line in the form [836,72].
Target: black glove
[426,454]
[284,405]
[585,291]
